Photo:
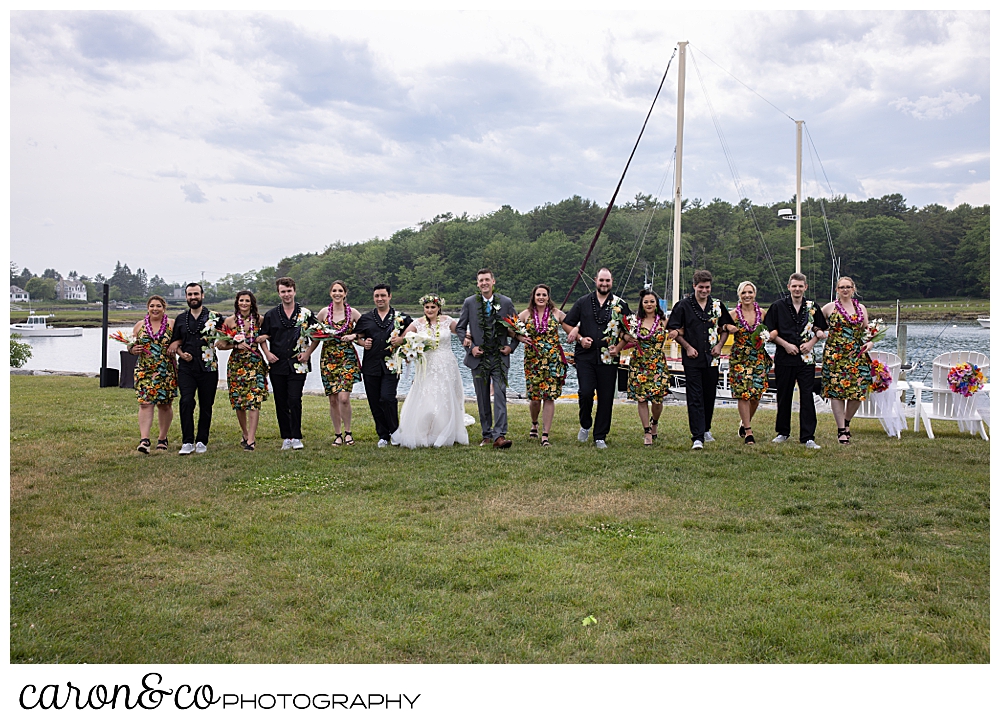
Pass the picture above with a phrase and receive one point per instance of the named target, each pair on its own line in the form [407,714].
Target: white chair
[948,405]
[872,409]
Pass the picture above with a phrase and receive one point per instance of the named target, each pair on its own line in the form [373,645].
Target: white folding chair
[868,407]
[948,405]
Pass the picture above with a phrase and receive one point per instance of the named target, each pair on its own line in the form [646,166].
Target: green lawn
[874,553]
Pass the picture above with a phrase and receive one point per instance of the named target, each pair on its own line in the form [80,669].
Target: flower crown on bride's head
[432,298]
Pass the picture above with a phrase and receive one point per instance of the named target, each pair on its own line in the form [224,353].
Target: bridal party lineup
[273,351]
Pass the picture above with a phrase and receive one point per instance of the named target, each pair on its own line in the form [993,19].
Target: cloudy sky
[219,142]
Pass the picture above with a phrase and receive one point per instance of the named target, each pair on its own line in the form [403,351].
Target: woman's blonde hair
[739,287]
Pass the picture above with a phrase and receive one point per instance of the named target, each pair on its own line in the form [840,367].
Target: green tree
[883,257]
[973,259]
[20,352]
[41,288]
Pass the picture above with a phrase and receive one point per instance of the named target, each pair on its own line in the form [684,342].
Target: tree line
[892,250]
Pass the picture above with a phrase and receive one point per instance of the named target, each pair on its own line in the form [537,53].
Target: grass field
[874,553]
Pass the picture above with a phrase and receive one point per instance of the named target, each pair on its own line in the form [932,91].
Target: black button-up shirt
[695,320]
[187,329]
[782,316]
[372,326]
[283,338]
[593,320]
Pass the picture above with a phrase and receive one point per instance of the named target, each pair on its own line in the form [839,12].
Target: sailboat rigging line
[643,233]
[813,158]
[691,45]
[611,205]
[736,177]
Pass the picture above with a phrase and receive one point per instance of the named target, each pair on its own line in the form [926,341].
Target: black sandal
[161,444]
[249,446]
[842,432]
[646,431]
[143,446]
[347,434]
[652,424]
[338,440]
[545,439]
[847,429]
[533,435]
[747,436]
[743,431]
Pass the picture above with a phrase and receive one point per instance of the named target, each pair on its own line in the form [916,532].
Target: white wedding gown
[433,413]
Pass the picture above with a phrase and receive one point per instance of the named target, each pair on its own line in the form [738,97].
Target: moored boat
[983,322]
[38,326]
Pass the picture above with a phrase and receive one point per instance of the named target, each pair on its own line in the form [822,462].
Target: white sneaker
[708,436]
[200,447]
[811,445]
[297,444]
[780,438]
[582,435]
[286,445]
[383,443]
[697,445]
[600,445]
[186,449]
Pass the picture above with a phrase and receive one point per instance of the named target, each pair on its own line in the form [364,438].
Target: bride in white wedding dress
[433,413]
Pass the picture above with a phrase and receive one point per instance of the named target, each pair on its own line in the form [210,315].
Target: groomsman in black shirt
[286,353]
[798,323]
[197,369]
[585,324]
[377,328]
[699,322]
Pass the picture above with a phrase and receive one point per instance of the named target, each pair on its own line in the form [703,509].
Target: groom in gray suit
[488,354]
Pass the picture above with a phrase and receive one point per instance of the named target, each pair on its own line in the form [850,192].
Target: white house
[18,295]
[70,289]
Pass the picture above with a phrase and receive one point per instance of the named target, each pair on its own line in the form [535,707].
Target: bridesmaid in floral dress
[749,362]
[648,381]
[339,365]
[155,374]
[544,359]
[246,373]
[847,368]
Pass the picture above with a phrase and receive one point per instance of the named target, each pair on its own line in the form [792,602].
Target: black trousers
[786,377]
[288,404]
[700,385]
[381,393]
[204,384]
[592,377]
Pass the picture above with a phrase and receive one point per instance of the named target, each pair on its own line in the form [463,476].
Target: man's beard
[194,304]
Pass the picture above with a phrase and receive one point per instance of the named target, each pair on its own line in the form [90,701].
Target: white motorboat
[983,322]
[38,326]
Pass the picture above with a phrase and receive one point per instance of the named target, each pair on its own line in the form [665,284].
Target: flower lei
[149,328]
[807,330]
[248,335]
[966,379]
[853,320]
[302,321]
[636,326]
[612,332]
[541,327]
[756,317]
[881,377]
[490,360]
[347,319]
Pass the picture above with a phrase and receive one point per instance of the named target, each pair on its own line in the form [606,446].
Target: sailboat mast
[682,62]
[798,196]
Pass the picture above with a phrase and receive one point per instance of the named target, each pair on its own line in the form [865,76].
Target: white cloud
[194,194]
[944,104]
[266,198]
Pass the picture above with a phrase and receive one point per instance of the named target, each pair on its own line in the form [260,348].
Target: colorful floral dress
[246,377]
[647,371]
[748,366]
[847,374]
[338,362]
[155,374]
[544,362]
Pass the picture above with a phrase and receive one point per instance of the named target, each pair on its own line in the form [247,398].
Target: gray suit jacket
[469,320]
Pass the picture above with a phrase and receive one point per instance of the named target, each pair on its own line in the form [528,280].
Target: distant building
[69,289]
[178,293]
[18,295]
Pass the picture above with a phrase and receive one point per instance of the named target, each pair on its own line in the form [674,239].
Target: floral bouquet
[223,334]
[876,331]
[759,335]
[966,379]
[517,328]
[318,331]
[616,323]
[128,339]
[881,377]
[414,347]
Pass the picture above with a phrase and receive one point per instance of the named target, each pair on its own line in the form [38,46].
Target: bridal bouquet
[415,345]
[128,339]
[318,331]
[876,331]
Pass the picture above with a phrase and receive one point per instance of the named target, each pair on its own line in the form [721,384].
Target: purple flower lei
[149,327]
[250,337]
[743,321]
[347,317]
[638,327]
[855,320]
[543,326]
